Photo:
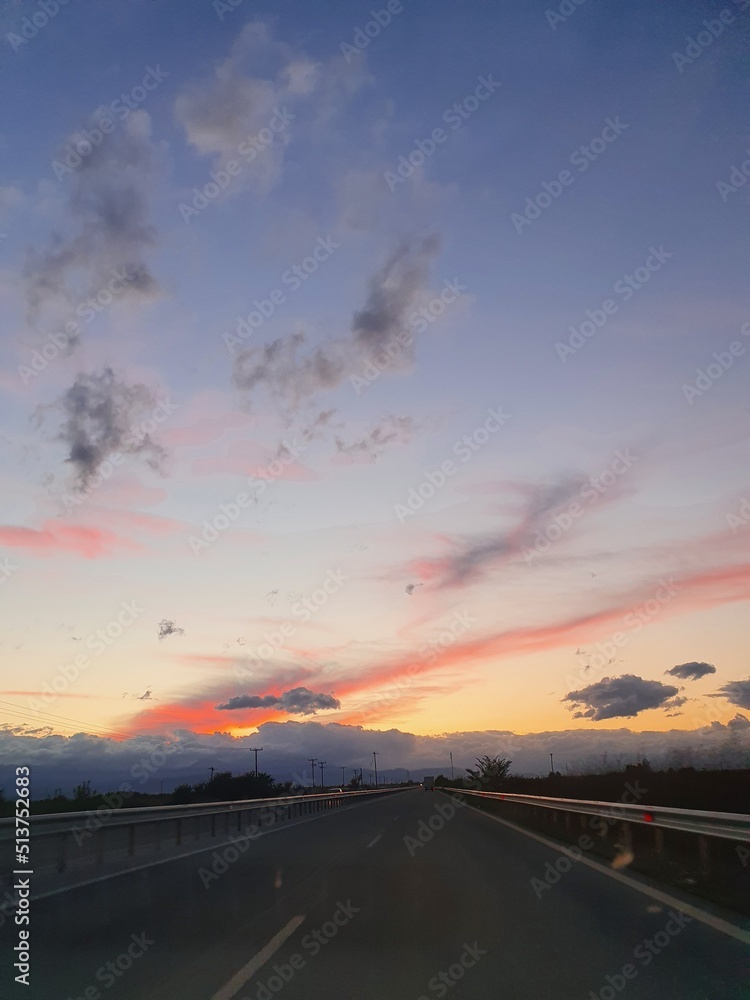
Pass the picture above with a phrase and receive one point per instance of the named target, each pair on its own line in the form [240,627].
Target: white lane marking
[718,924]
[179,857]
[235,984]
[374,842]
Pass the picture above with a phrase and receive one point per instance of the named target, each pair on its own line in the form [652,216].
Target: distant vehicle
[429,782]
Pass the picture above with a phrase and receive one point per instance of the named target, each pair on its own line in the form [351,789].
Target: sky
[373,376]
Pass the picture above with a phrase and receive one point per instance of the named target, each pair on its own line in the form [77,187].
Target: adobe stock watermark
[723,361]
[303,609]
[455,116]
[294,277]
[625,287]
[88,309]
[419,321]
[364,35]
[109,973]
[78,149]
[312,944]
[632,622]
[554,870]
[31,26]
[592,492]
[144,769]
[428,653]
[231,511]
[224,7]
[442,813]
[582,158]
[565,11]
[742,518]
[697,45]
[145,428]
[738,176]
[645,952]
[465,449]
[249,149]
[445,979]
[98,642]
[7,569]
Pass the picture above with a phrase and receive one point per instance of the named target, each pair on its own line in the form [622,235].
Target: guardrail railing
[61,841]
[734,826]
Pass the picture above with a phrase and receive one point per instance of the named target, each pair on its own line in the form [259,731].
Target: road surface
[353,905]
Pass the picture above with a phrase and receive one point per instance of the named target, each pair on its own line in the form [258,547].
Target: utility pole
[212,769]
[342,776]
[451,767]
[375,758]
[551,764]
[322,764]
[255,751]
[313,761]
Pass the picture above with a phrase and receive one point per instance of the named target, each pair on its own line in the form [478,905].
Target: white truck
[429,782]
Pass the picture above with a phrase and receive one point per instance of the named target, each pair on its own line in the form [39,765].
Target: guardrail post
[61,854]
[705,854]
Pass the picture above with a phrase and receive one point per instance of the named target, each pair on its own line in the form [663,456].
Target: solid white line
[235,984]
[718,924]
[374,842]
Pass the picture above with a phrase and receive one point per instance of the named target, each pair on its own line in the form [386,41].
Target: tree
[490,774]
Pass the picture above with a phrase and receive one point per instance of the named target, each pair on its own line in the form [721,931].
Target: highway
[343,907]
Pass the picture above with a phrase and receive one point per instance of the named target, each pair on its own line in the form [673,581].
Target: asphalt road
[344,908]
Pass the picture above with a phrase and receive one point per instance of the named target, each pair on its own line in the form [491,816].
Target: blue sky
[193,425]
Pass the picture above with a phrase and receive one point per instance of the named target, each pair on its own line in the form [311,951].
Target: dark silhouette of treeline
[679,788]
[222,787]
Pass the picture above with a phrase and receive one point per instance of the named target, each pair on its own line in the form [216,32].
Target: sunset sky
[386,374]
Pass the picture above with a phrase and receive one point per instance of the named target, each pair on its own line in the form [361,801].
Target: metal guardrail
[61,841]
[147,814]
[732,826]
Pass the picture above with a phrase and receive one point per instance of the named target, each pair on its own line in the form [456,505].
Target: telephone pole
[313,761]
[342,776]
[451,767]
[255,751]
[375,758]
[322,764]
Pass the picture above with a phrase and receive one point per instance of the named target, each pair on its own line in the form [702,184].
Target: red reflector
[648,817]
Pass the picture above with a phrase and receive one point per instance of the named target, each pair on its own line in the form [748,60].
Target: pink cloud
[54,537]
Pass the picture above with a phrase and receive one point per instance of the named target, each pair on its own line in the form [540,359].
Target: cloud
[291,372]
[691,671]
[101,416]
[108,206]
[167,627]
[297,701]
[389,430]
[736,692]
[621,697]
[56,536]
[261,81]
[66,760]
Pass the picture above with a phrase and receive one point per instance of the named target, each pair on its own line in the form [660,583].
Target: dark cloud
[297,701]
[622,697]
[471,558]
[692,671]
[291,372]
[736,692]
[168,627]
[389,430]
[108,211]
[100,415]
[411,587]
[65,761]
